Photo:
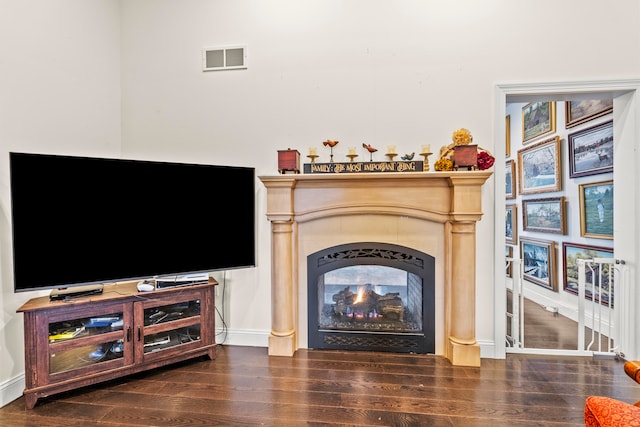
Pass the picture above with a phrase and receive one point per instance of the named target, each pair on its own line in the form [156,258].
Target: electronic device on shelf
[170,281]
[158,341]
[104,322]
[80,221]
[75,292]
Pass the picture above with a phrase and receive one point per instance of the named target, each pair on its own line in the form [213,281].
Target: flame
[361,290]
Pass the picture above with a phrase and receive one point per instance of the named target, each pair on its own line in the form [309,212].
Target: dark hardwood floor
[244,386]
[546,330]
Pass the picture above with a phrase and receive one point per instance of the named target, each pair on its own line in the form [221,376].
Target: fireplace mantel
[302,207]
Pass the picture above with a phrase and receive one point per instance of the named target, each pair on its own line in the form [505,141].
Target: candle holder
[352,156]
[426,167]
[313,158]
[391,156]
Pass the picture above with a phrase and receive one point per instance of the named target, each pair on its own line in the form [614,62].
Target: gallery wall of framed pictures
[558,190]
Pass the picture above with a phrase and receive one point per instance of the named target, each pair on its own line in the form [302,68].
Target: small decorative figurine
[370,149]
[331,144]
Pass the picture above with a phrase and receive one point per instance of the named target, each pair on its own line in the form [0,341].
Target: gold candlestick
[313,158]
[391,156]
[352,156]
[426,161]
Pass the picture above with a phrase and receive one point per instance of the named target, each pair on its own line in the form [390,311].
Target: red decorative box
[288,161]
[465,156]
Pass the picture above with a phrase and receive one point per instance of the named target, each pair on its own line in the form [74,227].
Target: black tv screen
[82,221]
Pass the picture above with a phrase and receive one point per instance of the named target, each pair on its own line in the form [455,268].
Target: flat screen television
[86,221]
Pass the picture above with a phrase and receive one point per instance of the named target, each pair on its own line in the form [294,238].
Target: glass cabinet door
[83,341]
[171,324]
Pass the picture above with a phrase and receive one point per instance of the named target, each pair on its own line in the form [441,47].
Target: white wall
[59,93]
[385,72]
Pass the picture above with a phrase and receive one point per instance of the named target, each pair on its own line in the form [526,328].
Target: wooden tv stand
[87,340]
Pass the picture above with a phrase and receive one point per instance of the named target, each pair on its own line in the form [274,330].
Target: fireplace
[371,296]
[432,213]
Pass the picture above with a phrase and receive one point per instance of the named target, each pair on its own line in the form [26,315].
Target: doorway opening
[550,297]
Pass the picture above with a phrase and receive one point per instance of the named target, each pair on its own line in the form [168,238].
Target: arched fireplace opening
[371,296]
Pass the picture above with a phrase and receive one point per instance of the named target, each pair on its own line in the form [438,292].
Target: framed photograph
[539,168]
[507,147]
[591,150]
[544,215]
[578,112]
[510,178]
[511,224]
[596,209]
[508,254]
[571,252]
[539,262]
[538,119]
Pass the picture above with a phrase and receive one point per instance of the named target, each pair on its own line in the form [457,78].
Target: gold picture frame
[507,146]
[539,167]
[510,180]
[596,209]
[538,119]
[511,224]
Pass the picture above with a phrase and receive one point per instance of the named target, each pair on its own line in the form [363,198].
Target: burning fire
[360,294]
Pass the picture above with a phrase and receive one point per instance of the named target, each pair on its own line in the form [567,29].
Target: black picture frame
[579,112]
[539,262]
[591,150]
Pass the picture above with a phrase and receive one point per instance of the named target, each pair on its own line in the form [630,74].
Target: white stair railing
[600,288]
[602,301]
[515,318]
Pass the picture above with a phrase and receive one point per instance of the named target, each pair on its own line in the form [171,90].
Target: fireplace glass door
[370,298]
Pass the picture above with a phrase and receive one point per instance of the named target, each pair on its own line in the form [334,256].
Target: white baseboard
[11,389]
[488,350]
[247,338]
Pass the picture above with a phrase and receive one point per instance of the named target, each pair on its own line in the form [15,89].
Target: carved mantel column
[462,347]
[282,339]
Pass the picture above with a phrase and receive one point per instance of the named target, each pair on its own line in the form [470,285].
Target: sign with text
[363,167]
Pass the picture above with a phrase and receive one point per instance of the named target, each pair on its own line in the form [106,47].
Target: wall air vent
[224,58]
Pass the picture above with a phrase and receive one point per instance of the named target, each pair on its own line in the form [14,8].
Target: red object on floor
[606,412]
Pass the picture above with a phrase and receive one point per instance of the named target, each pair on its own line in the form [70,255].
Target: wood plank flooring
[546,330]
[245,387]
